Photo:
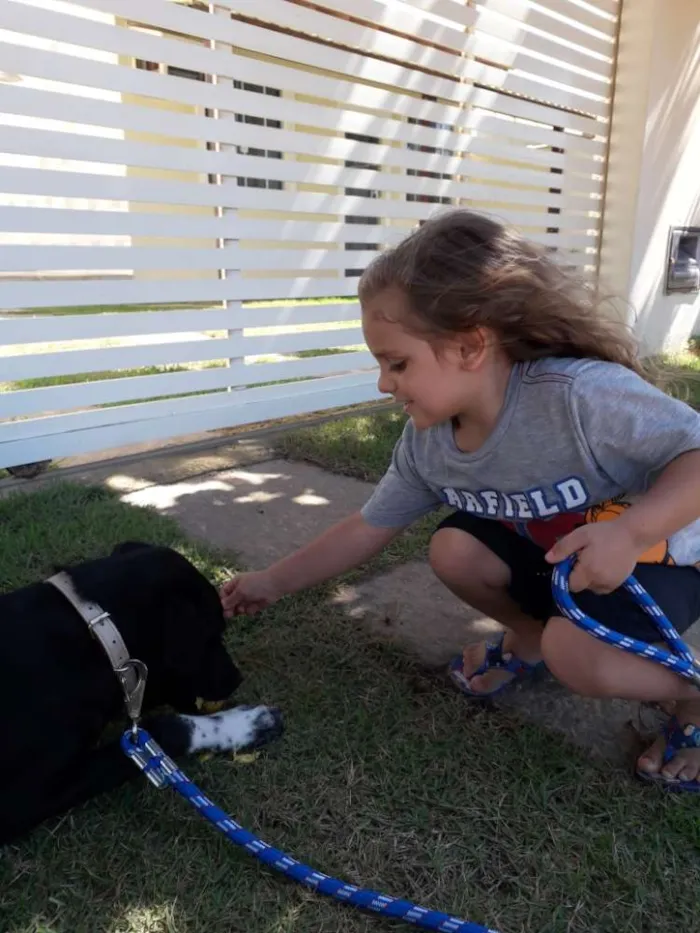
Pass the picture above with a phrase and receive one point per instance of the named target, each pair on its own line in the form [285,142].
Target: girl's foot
[683,764]
[513,647]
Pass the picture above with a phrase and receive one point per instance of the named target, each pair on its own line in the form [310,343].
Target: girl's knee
[573,658]
[557,650]
[456,557]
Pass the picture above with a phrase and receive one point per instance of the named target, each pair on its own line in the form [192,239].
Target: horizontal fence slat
[245,407]
[370,40]
[537,33]
[412,23]
[470,96]
[408,19]
[49,144]
[606,10]
[35,258]
[578,153]
[84,258]
[292,230]
[284,46]
[332,118]
[60,184]
[86,185]
[25,402]
[52,220]
[28,328]
[27,102]
[64,145]
[49,220]
[160,291]
[290,315]
[41,365]
[402,18]
[591,96]
[59,67]
[493,15]
[206,60]
[123,414]
[354,64]
[480,137]
[551,12]
[335,176]
[301,19]
[538,17]
[100,258]
[305,172]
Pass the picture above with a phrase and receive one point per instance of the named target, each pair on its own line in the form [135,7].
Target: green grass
[357,446]
[680,374]
[385,777]
[42,382]
[177,306]
[116,309]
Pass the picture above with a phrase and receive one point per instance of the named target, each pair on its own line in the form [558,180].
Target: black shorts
[675,589]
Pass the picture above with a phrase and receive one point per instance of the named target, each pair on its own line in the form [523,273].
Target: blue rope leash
[162,771]
[680,659]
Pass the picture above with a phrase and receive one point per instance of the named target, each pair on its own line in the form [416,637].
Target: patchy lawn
[681,374]
[385,777]
[359,445]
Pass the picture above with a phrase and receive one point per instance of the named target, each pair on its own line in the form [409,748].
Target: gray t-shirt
[577,441]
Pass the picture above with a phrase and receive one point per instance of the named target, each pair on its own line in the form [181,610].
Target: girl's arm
[346,545]
[672,503]
[609,551]
[343,546]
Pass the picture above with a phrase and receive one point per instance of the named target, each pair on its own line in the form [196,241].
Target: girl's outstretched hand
[607,554]
[248,593]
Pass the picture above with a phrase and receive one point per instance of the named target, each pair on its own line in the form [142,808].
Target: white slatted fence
[189,191]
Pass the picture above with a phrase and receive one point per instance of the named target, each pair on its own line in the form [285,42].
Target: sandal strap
[678,736]
[494,660]
[494,654]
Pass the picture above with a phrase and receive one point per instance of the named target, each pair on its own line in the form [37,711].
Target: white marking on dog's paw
[234,729]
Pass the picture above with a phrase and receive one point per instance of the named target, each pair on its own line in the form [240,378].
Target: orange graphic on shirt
[547,531]
[614,508]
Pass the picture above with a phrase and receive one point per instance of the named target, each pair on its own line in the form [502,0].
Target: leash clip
[133,696]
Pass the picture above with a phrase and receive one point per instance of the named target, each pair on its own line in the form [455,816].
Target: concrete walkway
[238,498]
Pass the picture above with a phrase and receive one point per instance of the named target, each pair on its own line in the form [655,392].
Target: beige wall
[654,172]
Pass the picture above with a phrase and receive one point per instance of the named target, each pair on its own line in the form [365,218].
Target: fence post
[228,214]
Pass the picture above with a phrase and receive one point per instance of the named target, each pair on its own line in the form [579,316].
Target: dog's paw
[238,729]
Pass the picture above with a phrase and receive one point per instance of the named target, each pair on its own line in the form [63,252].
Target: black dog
[58,691]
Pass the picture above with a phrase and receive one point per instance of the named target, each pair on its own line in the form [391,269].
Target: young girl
[530,415]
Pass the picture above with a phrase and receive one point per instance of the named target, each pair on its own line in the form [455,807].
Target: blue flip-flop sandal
[677,737]
[494,660]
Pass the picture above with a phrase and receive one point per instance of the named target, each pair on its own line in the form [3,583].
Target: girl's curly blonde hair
[462,270]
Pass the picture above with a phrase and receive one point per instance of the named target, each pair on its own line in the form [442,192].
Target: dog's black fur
[58,692]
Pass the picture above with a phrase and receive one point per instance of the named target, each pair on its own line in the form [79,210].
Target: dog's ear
[126,547]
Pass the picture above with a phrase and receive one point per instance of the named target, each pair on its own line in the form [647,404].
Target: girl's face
[433,387]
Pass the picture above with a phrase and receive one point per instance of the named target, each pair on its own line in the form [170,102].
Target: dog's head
[190,669]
